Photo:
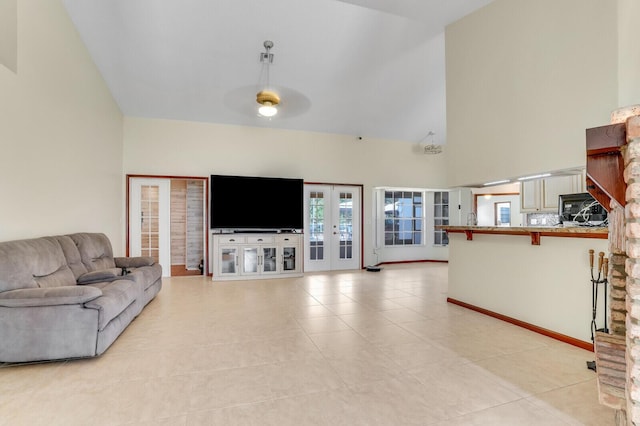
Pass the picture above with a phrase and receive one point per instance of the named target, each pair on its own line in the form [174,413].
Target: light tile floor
[343,348]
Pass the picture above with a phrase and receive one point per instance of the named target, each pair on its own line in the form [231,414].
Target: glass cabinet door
[228,260]
[289,258]
[269,259]
[250,260]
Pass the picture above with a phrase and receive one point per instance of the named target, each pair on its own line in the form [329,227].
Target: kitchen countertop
[535,232]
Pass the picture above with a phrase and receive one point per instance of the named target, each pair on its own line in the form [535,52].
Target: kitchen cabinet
[554,187]
[255,256]
[541,195]
[530,196]
[259,257]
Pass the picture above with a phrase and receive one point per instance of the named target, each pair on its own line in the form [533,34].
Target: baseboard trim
[396,262]
[540,330]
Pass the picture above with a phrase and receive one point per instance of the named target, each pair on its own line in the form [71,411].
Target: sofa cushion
[104,275]
[38,262]
[59,278]
[31,297]
[116,297]
[72,255]
[95,250]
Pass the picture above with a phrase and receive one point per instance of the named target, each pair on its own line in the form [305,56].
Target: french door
[149,220]
[332,229]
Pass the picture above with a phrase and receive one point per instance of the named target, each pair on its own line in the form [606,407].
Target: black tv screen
[261,203]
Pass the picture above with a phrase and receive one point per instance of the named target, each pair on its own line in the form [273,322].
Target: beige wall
[164,147]
[508,275]
[60,134]
[628,53]
[8,33]
[524,80]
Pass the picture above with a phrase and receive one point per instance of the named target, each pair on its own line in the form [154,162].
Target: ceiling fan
[267,98]
[270,101]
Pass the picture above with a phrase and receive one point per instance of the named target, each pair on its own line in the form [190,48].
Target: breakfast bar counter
[535,232]
[535,277]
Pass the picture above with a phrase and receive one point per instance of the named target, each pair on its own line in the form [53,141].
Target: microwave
[580,209]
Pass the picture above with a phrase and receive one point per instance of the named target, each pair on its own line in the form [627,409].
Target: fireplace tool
[601,278]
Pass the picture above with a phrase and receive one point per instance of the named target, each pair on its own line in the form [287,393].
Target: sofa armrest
[133,262]
[102,275]
[32,297]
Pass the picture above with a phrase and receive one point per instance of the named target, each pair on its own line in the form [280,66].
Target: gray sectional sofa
[66,296]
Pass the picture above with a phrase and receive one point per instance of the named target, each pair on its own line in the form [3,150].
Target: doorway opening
[502,213]
[167,220]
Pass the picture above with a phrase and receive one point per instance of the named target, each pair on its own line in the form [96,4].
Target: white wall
[524,80]
[60,134]
[165,147]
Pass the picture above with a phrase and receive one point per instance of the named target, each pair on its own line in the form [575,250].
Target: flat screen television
[256,203]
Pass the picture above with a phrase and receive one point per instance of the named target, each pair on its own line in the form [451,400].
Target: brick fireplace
[631,155]
[615,177]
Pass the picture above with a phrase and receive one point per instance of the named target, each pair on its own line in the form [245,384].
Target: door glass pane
[250,260]
[289,259]
[346,225]
[269,259]
[316,225]
[149,219]
[229,260]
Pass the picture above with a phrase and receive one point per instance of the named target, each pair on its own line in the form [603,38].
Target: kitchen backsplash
[542,219]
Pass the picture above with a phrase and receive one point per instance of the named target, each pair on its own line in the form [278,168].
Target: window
[503,214]
[440,217]
[403,218]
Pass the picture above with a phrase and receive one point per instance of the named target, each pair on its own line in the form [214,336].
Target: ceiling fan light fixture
[267,110]
[266,98]
[268,101]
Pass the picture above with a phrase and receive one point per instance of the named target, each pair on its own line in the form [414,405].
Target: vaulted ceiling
[370,68]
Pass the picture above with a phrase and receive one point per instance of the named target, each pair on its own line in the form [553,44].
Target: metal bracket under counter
[534,233]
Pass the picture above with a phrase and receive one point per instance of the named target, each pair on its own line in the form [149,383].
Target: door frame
[129,177]
[361,187]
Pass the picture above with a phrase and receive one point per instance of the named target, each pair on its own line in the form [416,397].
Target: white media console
[240,256]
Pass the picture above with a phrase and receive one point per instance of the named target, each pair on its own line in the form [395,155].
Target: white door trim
[135,229]
[331,232]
